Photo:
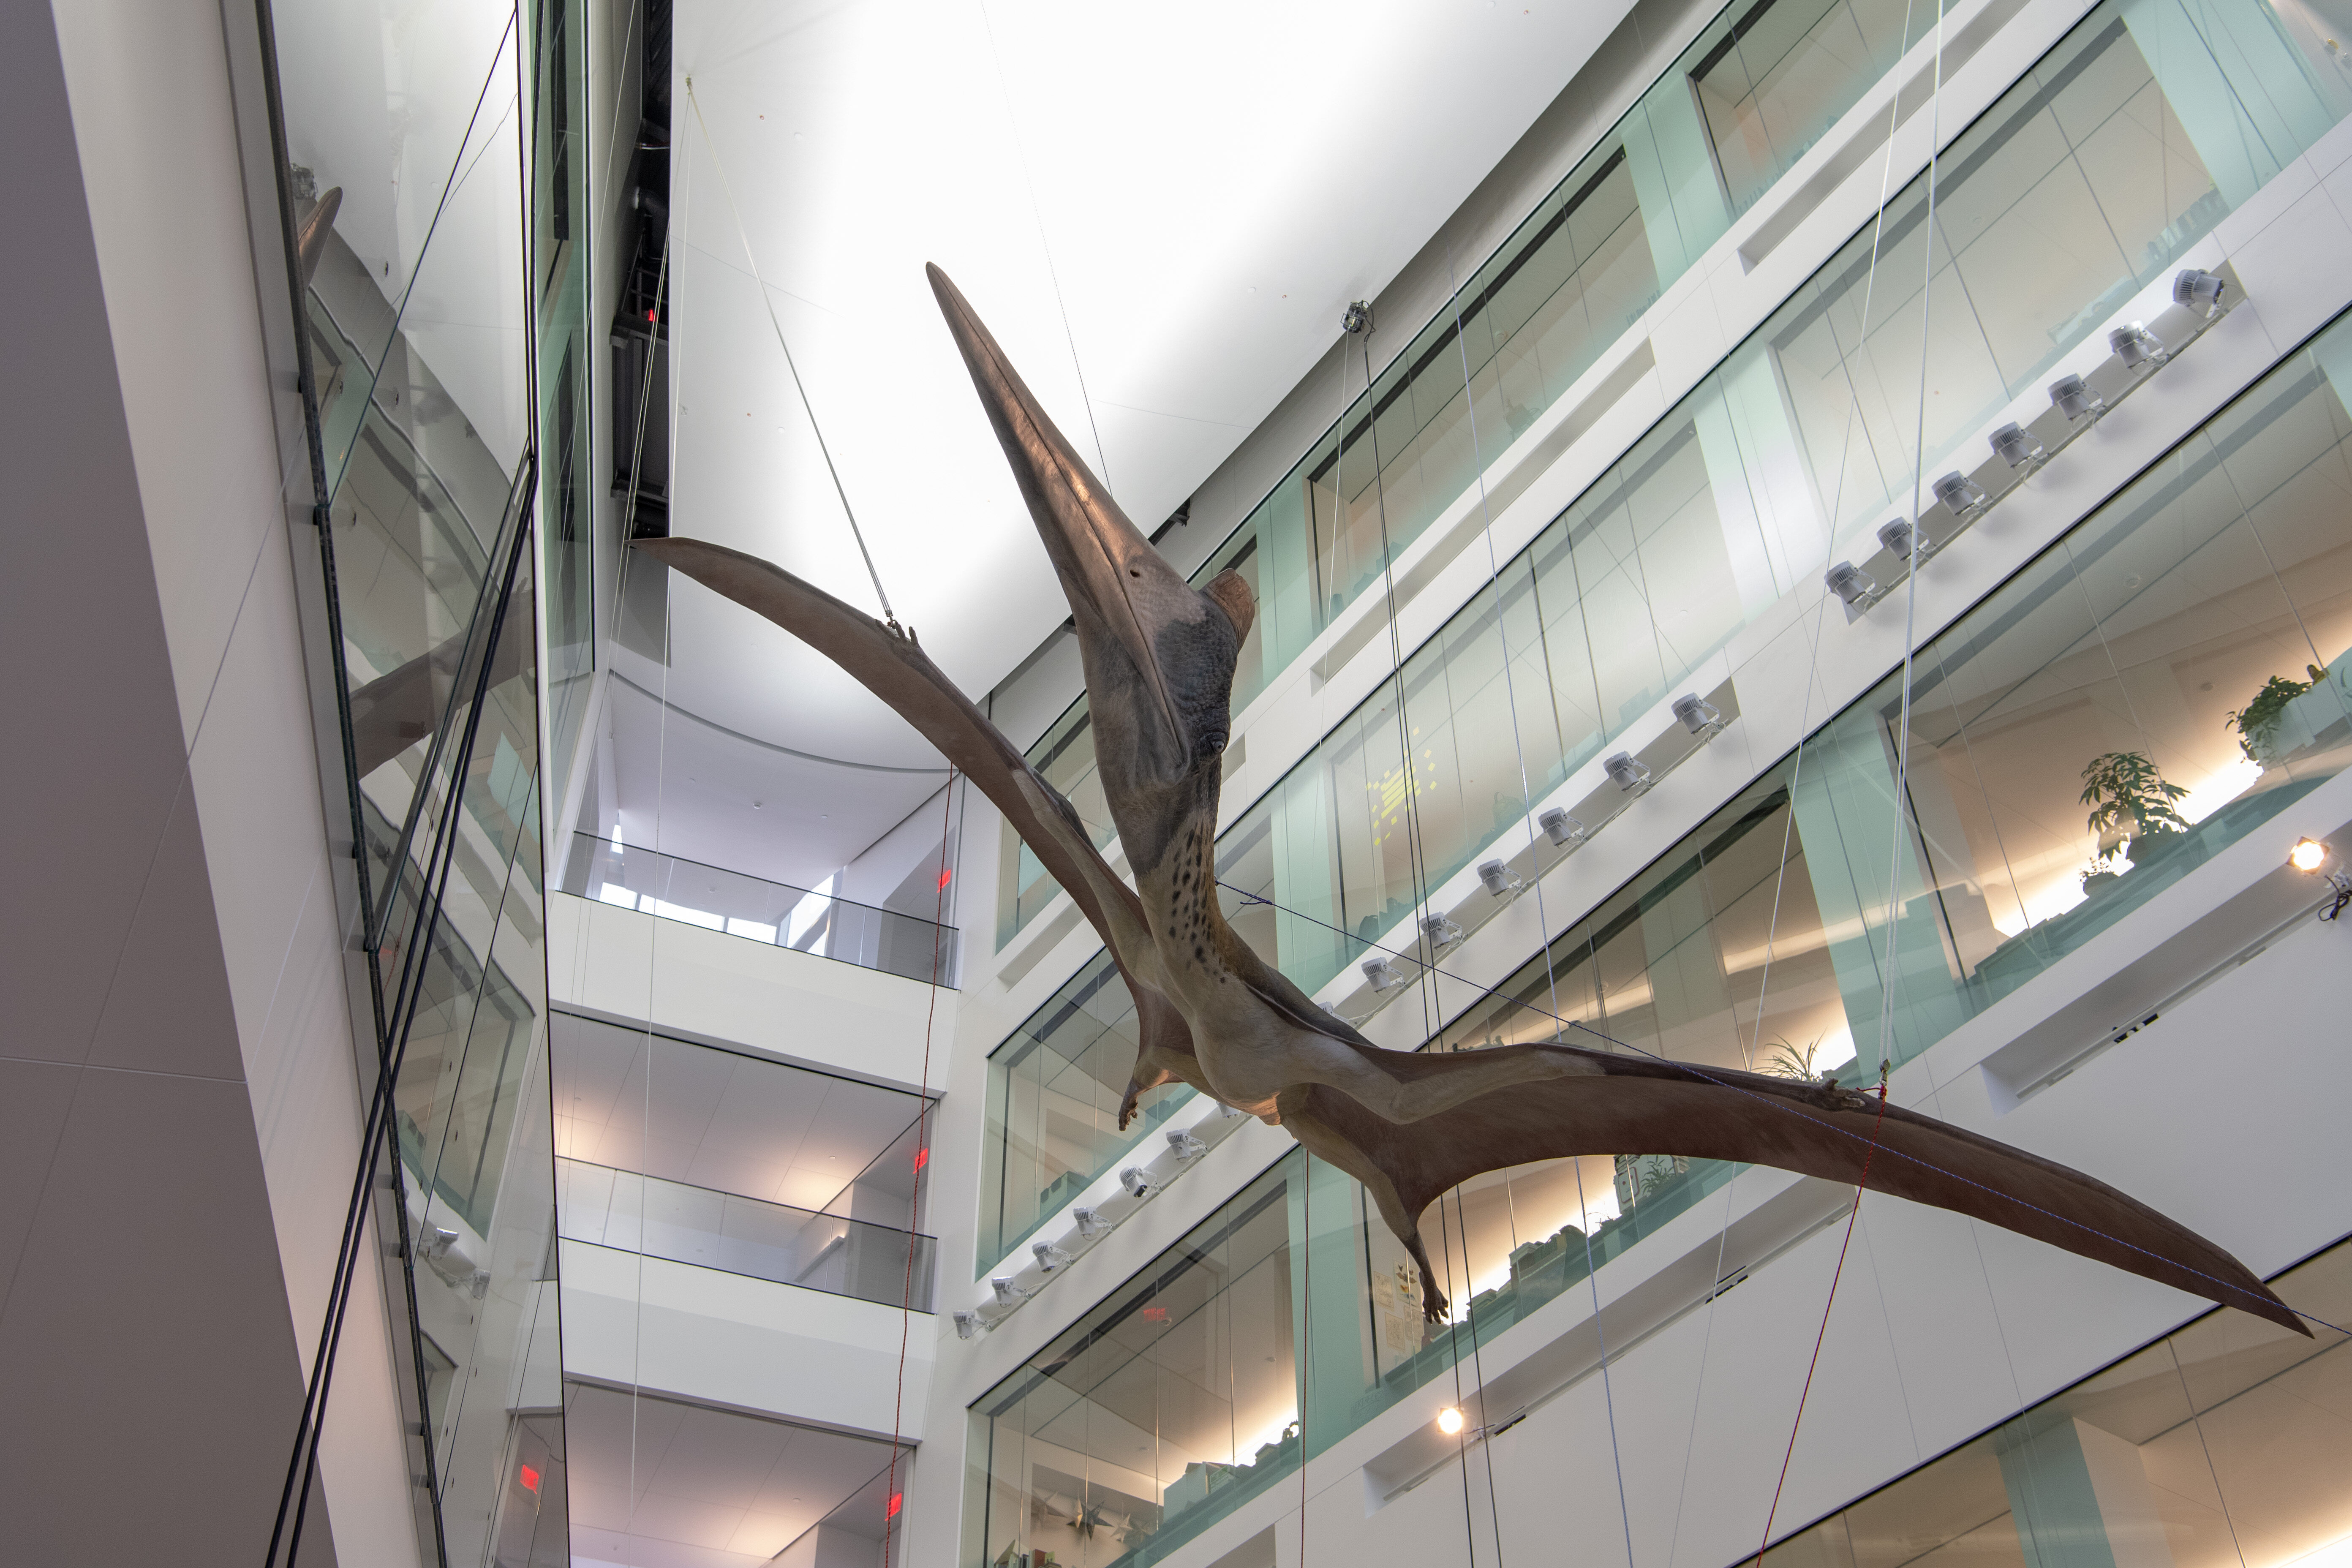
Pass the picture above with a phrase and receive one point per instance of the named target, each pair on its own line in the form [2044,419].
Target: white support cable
[817,430]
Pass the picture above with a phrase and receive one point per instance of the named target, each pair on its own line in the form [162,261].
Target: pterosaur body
[1159,658]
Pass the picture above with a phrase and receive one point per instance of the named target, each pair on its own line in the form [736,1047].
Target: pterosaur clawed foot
[1159,657]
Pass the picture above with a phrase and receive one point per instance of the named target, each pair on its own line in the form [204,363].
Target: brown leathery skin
[1159,657]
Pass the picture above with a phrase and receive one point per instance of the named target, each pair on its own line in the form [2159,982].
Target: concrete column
[2079,1495]
[2239,87]
[1683,208]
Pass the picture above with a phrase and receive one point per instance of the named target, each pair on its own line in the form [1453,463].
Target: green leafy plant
[1787,1059]
[2126,787]
[2256,720]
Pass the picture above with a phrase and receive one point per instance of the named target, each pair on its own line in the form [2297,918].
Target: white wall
[744,1344]
[632,968]
[181,1063]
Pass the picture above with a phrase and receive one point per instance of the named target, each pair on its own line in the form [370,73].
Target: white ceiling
[1208,186]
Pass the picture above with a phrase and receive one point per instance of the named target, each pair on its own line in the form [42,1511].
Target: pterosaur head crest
[1159,653]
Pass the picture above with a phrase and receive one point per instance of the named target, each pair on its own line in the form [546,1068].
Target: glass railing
[2080,186]
[436,260]
[2133,654]
[1054,1094]
[805,919]
[736,1234]
[1177,1399]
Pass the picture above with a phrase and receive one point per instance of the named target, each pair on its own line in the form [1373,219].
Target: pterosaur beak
[1112,576]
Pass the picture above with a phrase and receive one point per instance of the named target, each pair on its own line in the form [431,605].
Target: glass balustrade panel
[1054,1094]
[810,921]
[737,1235]
[1803,440]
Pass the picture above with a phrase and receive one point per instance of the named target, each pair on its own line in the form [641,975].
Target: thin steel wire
[768,304]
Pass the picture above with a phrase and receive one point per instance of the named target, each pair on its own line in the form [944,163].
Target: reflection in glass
[2080,185]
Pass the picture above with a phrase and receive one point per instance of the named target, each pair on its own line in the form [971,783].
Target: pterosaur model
[1159,658]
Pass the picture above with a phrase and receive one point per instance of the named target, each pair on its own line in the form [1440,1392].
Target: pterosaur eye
[1133,572]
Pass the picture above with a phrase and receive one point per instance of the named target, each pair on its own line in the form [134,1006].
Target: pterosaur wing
[1642,1105]
[895,669]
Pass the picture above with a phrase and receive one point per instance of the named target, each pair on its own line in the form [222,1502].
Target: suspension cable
[848,511]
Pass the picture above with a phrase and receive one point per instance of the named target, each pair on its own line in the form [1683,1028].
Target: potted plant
[2131,804]
[2257,723]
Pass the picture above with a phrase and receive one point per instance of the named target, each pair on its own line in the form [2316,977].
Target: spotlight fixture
[1449,1421]
[2194,289]
[1699,716]
[1498,878]
[1187,1147]
[1358,318]
[968,1324]
[1628,771]
[2069,395]
[2135,345]
[1008,1294]
[2015,446]
[1382,974]
[1442,934]
[2310,856]
[1137,1182]
[1561,828]
[1090,1224]
[1049,1256]
[1230,1112]
[1856,587]
[1901,538]
[1960,494]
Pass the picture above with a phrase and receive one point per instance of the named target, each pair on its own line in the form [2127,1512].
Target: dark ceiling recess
[641,325]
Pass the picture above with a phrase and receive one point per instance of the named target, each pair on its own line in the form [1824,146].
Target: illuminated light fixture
[1356,319]
[1960,494]
[1137,1181]
[1852,585]
[969,1323]
[1449,1421]
[2194,288]
[1089,1222]
[1628,771]
[2310,856]
[1187,1147]
[1699,716]
[1561,828]
[2070,396]
[1498,878]
[1442,934]
[2135,345]
[1007,1293]
[1382,974]
[2015,445]
[1049,1256]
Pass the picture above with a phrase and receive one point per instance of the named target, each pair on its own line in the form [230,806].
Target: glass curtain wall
[2080,186]
[435,215]
[2174,671]
[1054,1094]
[2146,633]
[1176,1399]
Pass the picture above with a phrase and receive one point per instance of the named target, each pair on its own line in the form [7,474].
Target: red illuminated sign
[529,1478]
[896,1498]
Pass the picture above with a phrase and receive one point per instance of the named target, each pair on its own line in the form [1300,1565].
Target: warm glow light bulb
[2308,855]
[1449,1421]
